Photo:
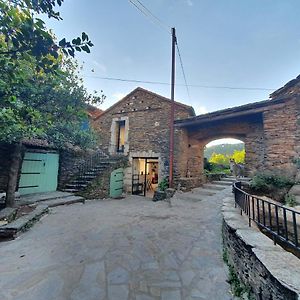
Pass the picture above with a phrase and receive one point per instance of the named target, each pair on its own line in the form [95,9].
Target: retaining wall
[270,271]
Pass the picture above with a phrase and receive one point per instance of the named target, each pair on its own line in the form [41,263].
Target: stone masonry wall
[280,137]
[254,148]
[191,143]
[148,118]
[271,272]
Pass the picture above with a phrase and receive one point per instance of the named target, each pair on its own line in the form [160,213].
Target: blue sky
[236,43]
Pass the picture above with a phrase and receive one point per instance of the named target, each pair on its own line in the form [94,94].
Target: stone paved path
[121,249]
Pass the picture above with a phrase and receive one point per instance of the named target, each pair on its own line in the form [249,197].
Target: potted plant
[160,193]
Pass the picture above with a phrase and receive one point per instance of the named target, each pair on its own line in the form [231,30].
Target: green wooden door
[116,183]
[39,173]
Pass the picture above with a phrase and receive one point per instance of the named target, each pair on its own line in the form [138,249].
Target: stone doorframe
[141,154]
[113,135]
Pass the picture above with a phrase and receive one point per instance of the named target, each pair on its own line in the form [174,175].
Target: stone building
[138,127]
[270,130]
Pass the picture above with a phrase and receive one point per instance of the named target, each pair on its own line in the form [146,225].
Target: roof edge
[149,92]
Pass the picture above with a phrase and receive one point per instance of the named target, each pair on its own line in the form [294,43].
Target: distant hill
[226,149]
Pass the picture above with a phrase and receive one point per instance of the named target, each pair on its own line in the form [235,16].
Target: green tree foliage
[24,33]
[226,149]
[219,159]
[239,156]
[41,94]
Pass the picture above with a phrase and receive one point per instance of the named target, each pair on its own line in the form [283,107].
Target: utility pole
[172,110]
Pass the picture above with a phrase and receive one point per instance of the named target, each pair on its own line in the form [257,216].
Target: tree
[24,33]
[219,159]
[239,156]
[41,95]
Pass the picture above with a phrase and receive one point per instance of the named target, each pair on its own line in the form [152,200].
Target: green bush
[272,184]
[210,167]
[267,181]
[164,184]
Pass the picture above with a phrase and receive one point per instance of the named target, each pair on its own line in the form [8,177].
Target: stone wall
[271,137]
[280,136]
[189,151]
[148,132]
[271,272]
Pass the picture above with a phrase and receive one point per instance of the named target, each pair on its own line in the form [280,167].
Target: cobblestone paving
[120,249]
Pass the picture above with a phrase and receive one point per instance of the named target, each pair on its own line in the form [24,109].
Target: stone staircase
[211,188]
[82,180]
[89,173]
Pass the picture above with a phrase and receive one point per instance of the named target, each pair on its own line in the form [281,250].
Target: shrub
[267,180]
[271,184]
[164,184]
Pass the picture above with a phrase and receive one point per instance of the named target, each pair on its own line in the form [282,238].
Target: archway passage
[225,156]
[270,130]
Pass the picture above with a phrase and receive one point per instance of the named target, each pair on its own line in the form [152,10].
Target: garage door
[39,173]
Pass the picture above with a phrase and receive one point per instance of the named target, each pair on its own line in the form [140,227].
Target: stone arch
[193,138]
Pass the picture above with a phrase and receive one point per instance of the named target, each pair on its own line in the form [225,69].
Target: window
[121,136]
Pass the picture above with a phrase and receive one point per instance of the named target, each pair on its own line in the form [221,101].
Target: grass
[237,287]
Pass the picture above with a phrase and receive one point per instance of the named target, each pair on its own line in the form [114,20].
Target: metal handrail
[281,222]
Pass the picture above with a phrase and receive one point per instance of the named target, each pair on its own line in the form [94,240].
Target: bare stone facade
[270,130]
[146,117]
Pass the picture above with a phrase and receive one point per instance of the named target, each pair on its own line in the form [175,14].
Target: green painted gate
[39,173]
[116,183]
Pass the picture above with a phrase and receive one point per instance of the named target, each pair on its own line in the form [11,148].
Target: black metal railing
[282,223]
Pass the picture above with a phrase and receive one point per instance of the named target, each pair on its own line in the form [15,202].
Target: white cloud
[201,110]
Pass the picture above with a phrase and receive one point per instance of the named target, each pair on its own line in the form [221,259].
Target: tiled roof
[94,112]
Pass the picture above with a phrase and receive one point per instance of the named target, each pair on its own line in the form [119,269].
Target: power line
[182,69]
[180,84]
[146,12]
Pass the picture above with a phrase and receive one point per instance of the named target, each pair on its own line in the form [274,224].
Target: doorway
[144,176]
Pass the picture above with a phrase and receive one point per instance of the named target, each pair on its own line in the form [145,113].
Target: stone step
[80,181]
[233,178]
[40,197]
[71,190]
[65,201]
[76,186]
[229,179]
[221,182]
[88,176]
[215,187]
[11,229]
